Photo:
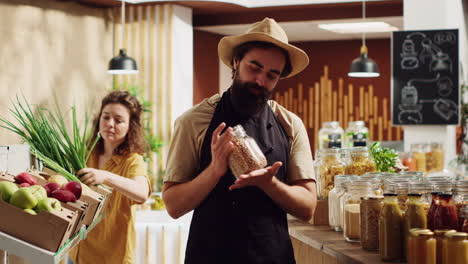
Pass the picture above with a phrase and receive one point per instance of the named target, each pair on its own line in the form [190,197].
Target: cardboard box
[321,213]
[7,177]
[48,230]
[81,208]
[96,205]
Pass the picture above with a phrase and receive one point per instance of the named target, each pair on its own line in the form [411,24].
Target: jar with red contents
[445,215]
[465,219]
[461,200]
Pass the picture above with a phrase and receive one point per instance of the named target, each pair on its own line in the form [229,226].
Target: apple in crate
[30,211]
[74,187]
[24,199]
[59,179]
[50,187]
[38,191]
[48,205]
[7,189]
[63,196]
[25,177]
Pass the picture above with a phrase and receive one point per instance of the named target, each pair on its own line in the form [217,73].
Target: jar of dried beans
[246,155]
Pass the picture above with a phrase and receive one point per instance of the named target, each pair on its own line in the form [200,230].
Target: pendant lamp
[122,63]
[363,66]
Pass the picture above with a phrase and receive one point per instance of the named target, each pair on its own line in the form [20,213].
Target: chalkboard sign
[425,89]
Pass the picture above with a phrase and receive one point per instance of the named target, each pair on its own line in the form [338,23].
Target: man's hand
[260,178]
[221,148]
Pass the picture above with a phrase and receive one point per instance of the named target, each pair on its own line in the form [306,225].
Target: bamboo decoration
[147,245]
[325,101]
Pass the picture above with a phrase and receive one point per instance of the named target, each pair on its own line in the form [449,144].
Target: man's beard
[245,102]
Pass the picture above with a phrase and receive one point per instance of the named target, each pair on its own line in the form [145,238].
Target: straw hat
[268,31]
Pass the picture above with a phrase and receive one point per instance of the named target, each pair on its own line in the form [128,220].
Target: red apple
[50,187]
[24,184]
[74,187]
[25,177]
[63,196]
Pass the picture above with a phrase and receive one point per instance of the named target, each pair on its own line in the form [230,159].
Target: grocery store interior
[412,107]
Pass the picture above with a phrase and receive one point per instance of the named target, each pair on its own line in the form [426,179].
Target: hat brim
[299,59]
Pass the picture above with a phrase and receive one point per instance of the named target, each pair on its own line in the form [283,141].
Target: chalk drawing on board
[409,54]
[445,86]
[445,37]
[445,108]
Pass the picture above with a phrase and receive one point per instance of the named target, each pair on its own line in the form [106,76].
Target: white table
[159,238]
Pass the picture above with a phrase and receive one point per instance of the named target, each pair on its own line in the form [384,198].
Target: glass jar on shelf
[419,154]
[334,208]
[330,135]
[351,207]
[440,237]
[424,189]
[370,212]
[436,158]
[246,155]
[356,135]
[455,248]
[407,160]
[421,247]
[328,164]
[445,215]
[415,217]
[390,229]
[461,200]
[359,161]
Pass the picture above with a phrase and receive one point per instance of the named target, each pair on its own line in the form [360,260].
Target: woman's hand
[93,176]
[221,148]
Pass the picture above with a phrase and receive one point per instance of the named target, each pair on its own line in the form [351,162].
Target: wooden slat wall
[333,100]
[148,40]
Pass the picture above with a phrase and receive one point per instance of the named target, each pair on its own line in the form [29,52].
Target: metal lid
[456,235]
[371,198]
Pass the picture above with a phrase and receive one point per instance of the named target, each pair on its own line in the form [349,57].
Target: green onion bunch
[49,140]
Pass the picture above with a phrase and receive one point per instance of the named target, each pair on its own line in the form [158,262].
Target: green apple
[24,199]
[7,189]
[38,191]
[31,211]
[48,205]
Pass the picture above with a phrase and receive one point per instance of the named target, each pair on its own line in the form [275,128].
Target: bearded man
[244,219]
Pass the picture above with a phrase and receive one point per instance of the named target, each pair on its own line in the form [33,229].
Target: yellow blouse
[113,239]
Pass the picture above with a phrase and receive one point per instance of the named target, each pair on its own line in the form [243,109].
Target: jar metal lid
[456,234]
[442,232]
[371,198]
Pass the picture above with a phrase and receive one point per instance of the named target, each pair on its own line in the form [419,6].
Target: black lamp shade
[363,67]
[122,64]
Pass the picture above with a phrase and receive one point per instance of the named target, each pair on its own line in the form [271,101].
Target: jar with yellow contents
[455,248]
[359,161]
[422,247]
[440,237]
[329,163]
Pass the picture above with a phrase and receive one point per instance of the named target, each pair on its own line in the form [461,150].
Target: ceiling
[299,18]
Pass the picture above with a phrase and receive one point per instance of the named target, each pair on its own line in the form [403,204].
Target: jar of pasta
[419,154]
[328,164]
[359,161]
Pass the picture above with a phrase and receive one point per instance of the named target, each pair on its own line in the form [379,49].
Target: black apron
[242,226]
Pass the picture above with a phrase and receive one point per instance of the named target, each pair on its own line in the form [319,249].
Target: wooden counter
[321,245]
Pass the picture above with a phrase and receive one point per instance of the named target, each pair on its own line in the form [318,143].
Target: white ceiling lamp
[122,63]
[358,27]
[363,66]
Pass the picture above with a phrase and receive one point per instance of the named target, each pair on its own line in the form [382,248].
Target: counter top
[331,243]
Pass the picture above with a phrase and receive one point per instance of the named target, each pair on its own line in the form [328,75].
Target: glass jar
[359,161]
[329,162]
[356,135]
[419,154]
[440,237]
[441,184]
[455,248]
[351,207]
[461,200]
[390,229]
[424,189]
[435,202]
[414,217]
[435,158]
[334,215]
[330,135]
[370,212]
[402,187]
[445,215]
[246,156]
[375,177]
[408,160]
[414,175]
[422,247]
[464,216]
